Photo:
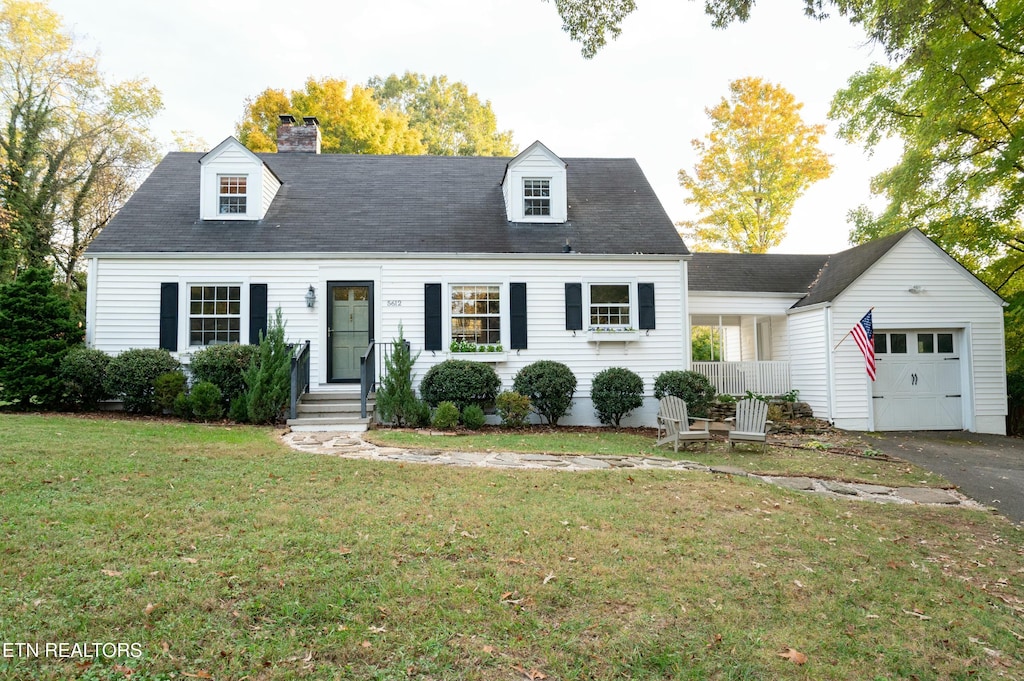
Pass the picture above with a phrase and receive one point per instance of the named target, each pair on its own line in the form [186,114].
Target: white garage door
[917,381]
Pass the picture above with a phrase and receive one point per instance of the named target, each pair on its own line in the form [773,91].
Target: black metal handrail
[371,370]
[300,377]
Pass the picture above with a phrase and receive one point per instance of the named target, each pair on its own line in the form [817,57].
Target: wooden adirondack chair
[751,423]
[674,425]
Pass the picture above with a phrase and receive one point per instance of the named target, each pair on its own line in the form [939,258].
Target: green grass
[793,461]
[225,555]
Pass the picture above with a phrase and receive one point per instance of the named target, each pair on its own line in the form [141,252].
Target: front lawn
[224,555]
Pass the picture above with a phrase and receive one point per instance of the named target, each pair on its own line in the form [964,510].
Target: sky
[643,96]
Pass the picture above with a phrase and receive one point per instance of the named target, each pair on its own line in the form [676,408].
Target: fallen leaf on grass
[366,644]
[377,630]
[793,655]
[190,561]
[343,550]
[150,607]
[111,573]
[121,669]
[488,649]
[550,576]
[201,674]
[918,615]
[532,675]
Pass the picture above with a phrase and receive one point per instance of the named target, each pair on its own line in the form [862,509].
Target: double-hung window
[536,196]
[215,314]
[610,306]
[231,196]
[476,313]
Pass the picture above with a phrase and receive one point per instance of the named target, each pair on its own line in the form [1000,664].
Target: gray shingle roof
[754,272]
[820,277]
[394,204]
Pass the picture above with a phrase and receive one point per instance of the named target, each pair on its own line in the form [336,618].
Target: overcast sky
[643,96]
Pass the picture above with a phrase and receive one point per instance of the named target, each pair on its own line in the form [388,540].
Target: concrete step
[349,424]
[334,407]
[332,395]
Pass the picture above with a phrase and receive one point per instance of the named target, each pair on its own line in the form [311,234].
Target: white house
[938,333]
[572,259]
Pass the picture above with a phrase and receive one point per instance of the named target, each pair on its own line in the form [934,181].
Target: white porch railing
[736,378]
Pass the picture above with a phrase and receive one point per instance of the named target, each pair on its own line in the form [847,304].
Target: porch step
[337,410]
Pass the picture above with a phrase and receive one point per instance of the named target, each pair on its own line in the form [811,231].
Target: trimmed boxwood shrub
[166,389]
[616,392]
[131,376]
[460,382]
[224,366]
[446,416]
[689,386]
[549,385]
[473,417]
[205,401]
[513,409]
[83,372]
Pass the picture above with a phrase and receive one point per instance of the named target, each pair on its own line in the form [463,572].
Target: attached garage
[918,384]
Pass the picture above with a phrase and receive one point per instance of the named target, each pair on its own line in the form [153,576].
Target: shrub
[224,366]
[166,389]
[183,406]
[513,409]
[396,401]
[268,378]
[549,386]
[460,382]
[446,416]
[473,417]
[206,401]
[616,392]
[131,376]
[82,373]
[420,416]
[239,409]
[689,386]
[37,328]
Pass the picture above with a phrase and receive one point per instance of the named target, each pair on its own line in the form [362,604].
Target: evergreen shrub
[473,417]
[131,377]
[616,392]
[460,382]
[82,373]
[446,416]
[689,386]
[224,366]
[513,409]
[268,378]
[396,400]
[549,385]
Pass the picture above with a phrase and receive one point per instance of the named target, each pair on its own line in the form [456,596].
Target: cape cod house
[573,260]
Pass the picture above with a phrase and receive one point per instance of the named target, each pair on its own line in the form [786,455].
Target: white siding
[951,299]
[128,296]
[536,161]
[231,158]
[270,187]
[809,367]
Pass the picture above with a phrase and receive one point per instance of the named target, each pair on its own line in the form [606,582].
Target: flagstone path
[352,446]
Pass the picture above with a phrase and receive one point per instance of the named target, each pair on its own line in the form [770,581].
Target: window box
[612,335]
[479,356]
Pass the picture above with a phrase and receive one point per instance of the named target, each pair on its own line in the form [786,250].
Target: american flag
[863,335]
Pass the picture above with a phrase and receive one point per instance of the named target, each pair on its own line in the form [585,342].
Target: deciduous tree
[72,145]
[758,159]
[351,120]
[451,120]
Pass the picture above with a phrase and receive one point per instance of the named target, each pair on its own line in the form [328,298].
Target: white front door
[917,381]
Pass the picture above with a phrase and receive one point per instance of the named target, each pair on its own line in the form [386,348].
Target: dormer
[534,186]
[235,184]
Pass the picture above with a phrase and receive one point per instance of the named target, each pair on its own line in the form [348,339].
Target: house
[534,257]
[780,323]
[571,259]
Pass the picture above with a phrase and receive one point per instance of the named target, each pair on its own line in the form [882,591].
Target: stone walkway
[352,446]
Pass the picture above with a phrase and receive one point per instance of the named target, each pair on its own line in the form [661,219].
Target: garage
[918,380]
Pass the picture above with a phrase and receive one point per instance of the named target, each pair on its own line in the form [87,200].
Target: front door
[349,328]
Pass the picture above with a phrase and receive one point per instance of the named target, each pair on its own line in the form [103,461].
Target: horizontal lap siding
[128,292]
[809,366]
[951,299]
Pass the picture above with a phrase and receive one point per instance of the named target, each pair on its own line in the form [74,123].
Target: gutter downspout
[90,303]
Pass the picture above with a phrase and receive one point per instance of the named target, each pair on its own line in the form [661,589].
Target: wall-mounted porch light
[916,289]
[311,297]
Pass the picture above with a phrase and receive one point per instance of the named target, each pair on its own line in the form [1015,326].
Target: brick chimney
[303,138]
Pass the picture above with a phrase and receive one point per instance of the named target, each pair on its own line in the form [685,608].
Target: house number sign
[394,303]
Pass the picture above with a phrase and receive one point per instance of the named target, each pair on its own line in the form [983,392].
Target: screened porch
[738,353]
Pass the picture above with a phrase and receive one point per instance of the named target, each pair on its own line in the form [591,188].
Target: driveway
[987,468]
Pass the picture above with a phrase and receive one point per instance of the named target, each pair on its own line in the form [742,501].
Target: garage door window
[898,343]
[925,343]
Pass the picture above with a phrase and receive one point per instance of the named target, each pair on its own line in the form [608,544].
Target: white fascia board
[575,257]
[809,308]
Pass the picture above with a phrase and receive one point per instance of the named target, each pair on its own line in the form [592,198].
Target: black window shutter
[517,305]
[257,312]
[169,316]
[573,307]
[645,292]
[431,316]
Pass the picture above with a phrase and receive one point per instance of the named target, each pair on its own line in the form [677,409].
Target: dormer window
[536,197]
[231,194]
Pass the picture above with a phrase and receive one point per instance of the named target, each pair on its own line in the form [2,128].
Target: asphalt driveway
[987,468]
